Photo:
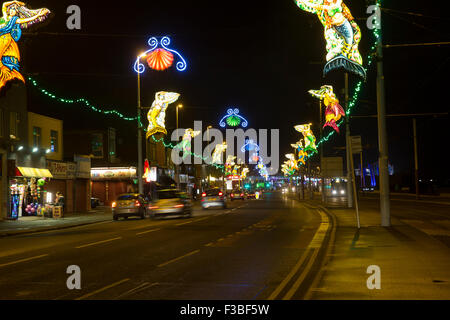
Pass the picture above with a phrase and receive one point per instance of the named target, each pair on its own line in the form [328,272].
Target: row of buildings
[40,158]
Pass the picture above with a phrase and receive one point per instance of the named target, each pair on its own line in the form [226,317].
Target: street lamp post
[207,167]
[140,171]
[177,175]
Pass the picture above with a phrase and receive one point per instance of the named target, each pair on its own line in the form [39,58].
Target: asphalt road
[258,249]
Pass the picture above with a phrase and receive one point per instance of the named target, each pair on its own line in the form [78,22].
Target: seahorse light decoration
[185,143]
[334,111]
[16,16]
[300,151]
[157,114]
[310,139]
[244,173]
[291,162]
[218,151]
[342,34]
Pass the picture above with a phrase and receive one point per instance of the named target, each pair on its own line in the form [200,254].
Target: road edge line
[327,258]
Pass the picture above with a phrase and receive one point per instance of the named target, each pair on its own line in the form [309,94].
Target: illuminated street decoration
[233,119]
[15,18]
[342,34]
[185,143]
[157,113]
[310,139]
[160,59]
[250,145]
[334,110]
[229,165]
[147,171]
[302,155]
[291,164]
[244,173]
[159,56]
[218,151]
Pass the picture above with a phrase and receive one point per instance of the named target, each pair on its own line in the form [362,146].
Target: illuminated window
[37,136]
[54,141]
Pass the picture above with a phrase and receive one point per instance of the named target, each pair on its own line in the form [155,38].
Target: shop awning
[34,172]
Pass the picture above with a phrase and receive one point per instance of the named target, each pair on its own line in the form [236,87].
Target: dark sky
[260,56]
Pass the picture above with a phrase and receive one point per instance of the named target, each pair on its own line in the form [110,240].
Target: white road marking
[148,231]
[179,258]
[98,242]
[102,289]
[22,260]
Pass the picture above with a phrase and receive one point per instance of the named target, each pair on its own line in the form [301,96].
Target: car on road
[213,198]
[250,195]
[237,195]
[170,202]
[129,205]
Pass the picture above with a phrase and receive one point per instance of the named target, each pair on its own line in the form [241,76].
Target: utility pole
[416,159]
[349,155]
[140,171]
[385,208]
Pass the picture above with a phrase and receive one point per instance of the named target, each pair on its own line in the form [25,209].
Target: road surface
[257,249]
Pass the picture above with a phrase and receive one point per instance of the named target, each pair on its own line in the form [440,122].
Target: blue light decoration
[156,47]
[250,145]
[233,119]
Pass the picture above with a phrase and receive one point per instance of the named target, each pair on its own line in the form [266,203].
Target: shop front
[108,183]
[28,194]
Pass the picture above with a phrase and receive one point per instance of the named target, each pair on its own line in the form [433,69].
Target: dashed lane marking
[103,289]
[148,231]
[98,242]
[22,260]
[177,259]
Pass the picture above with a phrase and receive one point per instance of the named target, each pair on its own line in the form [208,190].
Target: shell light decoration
[160,56]
[160,59]
[233,119]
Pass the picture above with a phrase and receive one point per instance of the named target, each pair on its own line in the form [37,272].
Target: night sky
[259,56]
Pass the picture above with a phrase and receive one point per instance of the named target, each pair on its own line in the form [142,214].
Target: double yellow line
[315,245]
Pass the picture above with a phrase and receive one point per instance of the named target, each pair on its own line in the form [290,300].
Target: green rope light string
[78,101]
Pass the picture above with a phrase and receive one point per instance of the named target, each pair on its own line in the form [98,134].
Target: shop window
[54,141]
[37,137]
[14,124]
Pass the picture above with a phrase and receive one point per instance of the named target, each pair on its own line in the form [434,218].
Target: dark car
[170,202]
[129,205]
[237,195]
[213,198]
[95,202]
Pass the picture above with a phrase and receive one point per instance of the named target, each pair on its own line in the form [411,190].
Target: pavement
[25,225]
[253,250]
[413,254]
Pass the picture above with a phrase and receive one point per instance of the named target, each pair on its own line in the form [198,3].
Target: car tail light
[179,206]
[242,194]
[137,204]
[153,208]
[232,195]
[114,204]
[220,194]
[204,194]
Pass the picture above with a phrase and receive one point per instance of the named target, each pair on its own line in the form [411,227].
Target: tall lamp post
[180,106]
[159,57]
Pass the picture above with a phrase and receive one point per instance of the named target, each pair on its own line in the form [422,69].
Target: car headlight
[342,191]
[334,192]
